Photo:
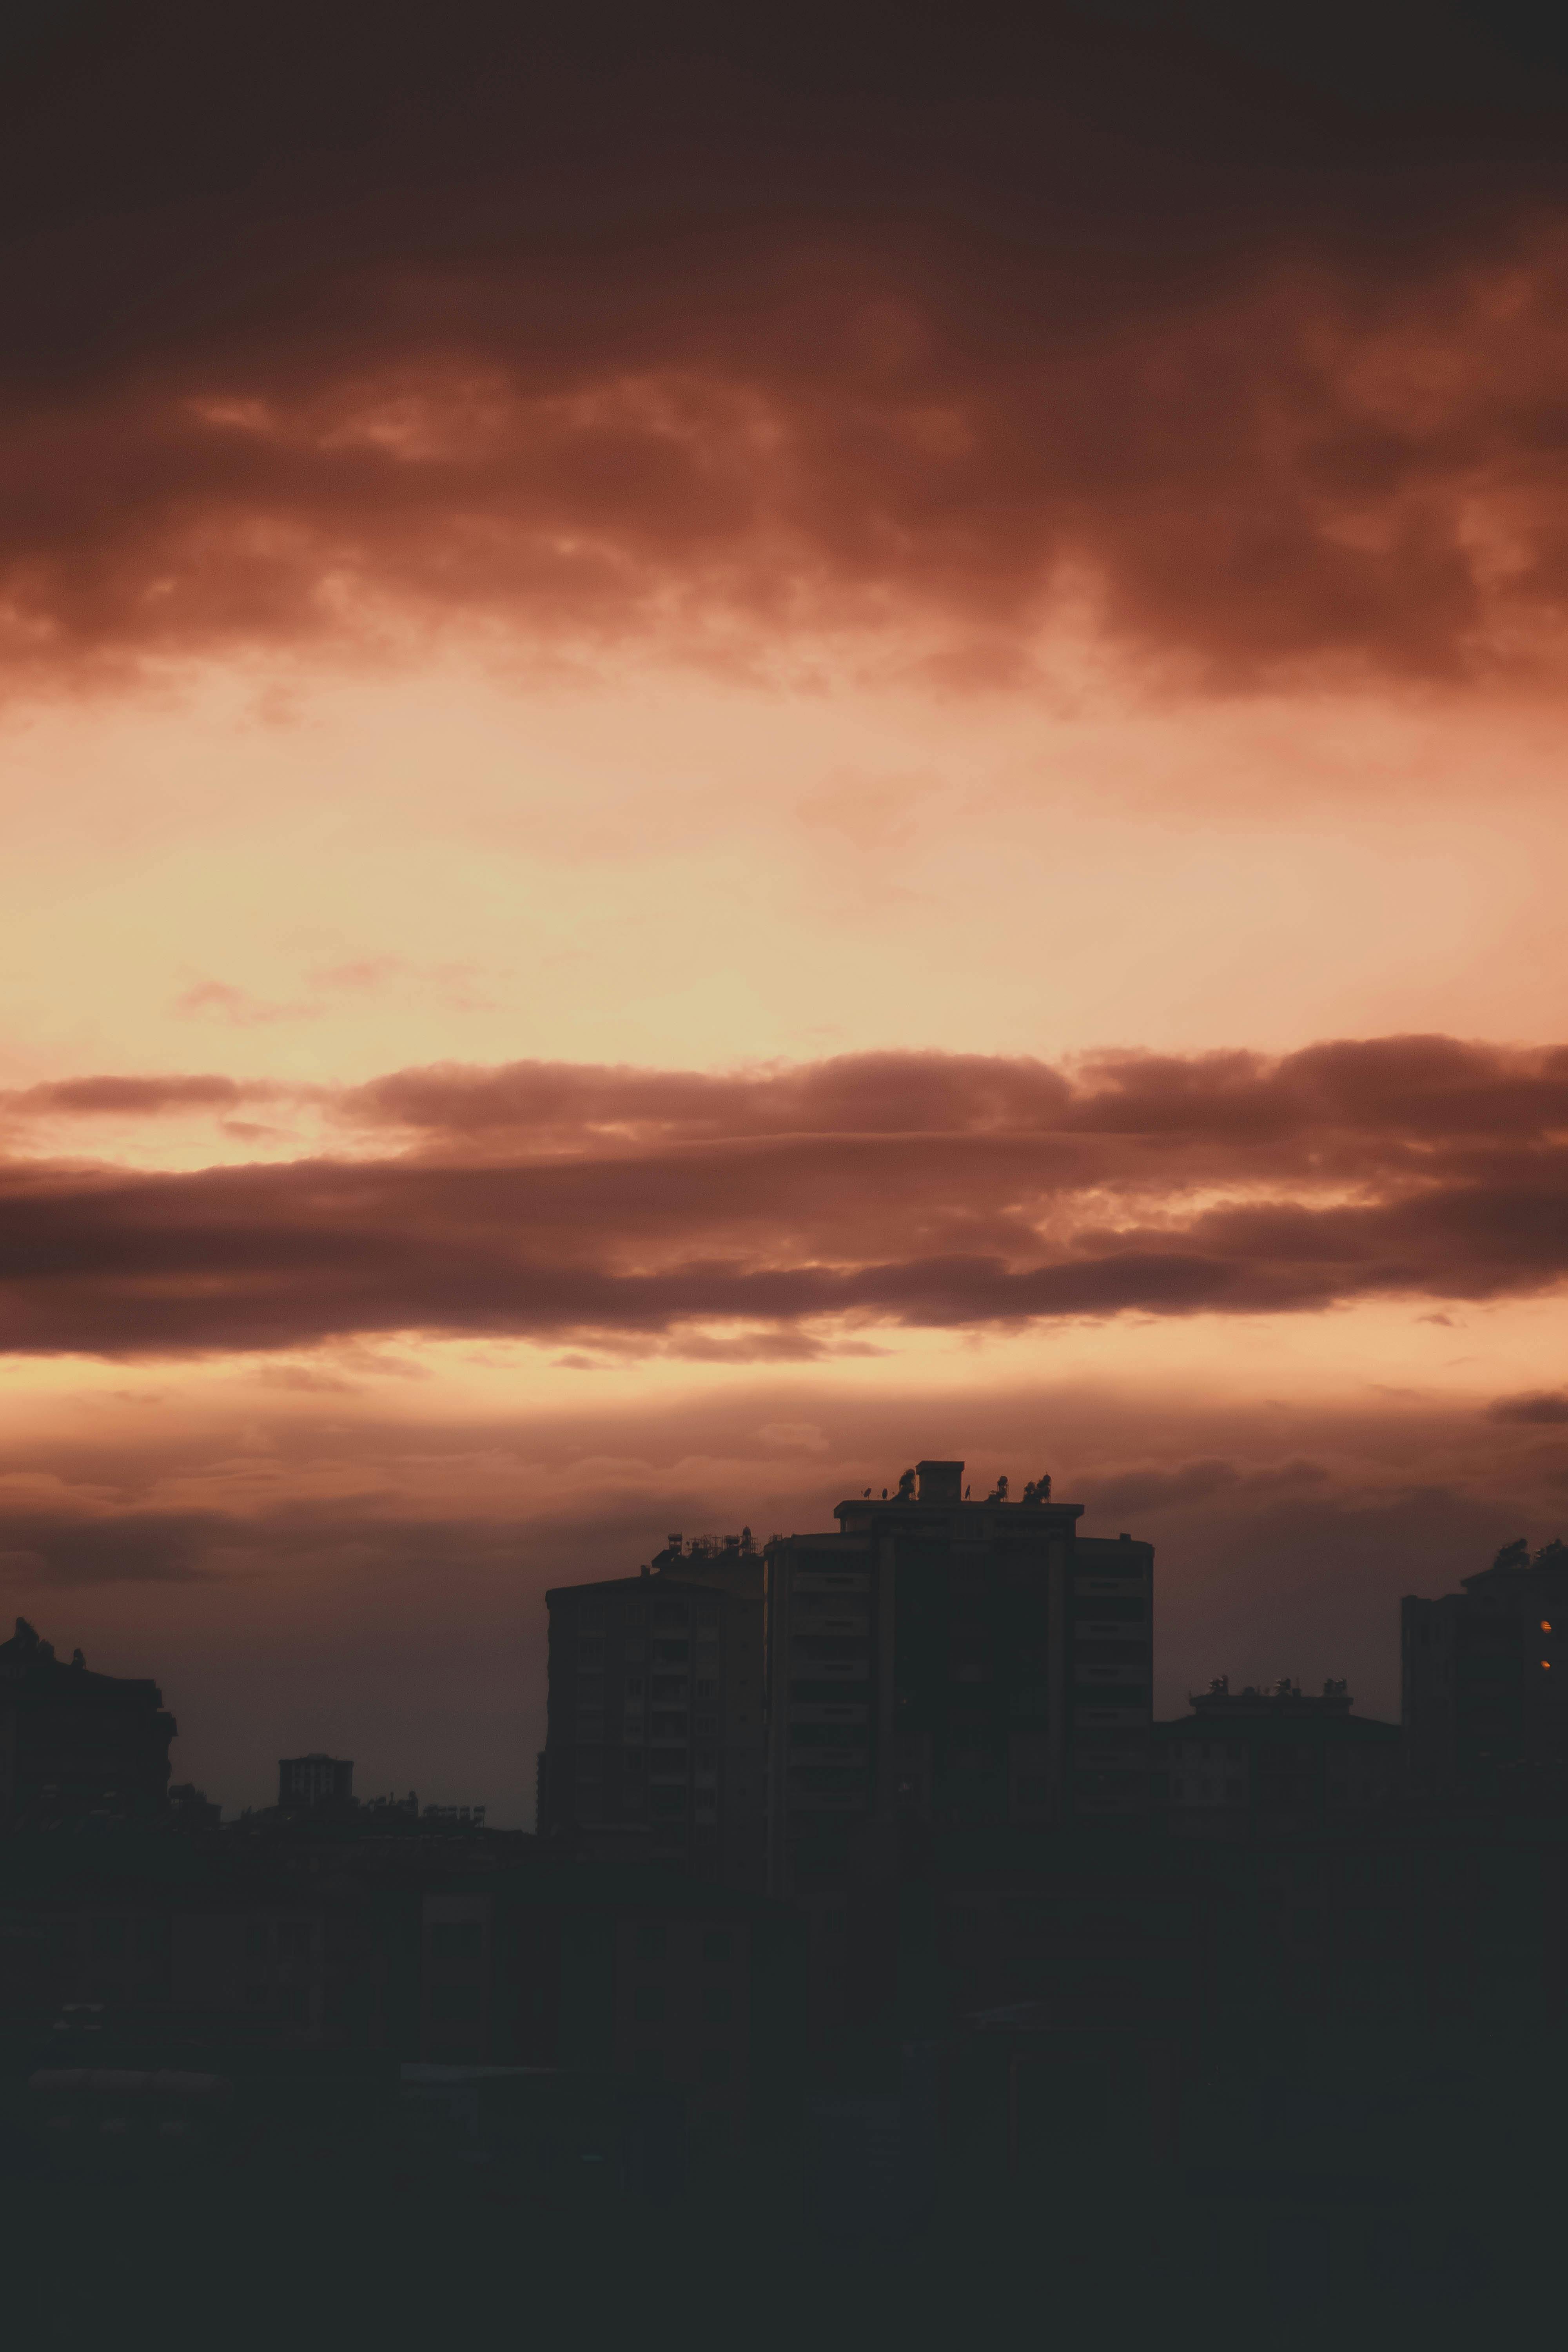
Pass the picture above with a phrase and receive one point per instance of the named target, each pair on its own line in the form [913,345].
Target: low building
[1249,1761]
[1485,1679]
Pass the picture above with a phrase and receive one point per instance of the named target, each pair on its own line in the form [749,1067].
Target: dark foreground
[1427,2210]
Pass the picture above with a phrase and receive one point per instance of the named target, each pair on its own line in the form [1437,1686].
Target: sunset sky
[729,753]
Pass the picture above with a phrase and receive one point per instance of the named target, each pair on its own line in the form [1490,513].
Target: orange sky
[663,850]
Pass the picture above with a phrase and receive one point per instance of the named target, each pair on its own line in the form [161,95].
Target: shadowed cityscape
[868,1911]
[783,1174]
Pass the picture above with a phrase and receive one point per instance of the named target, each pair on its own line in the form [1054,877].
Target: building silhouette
[76,1747]
[314,1782]
[1248,1761]
[655,1739]
[1483,1673]
[945,1662]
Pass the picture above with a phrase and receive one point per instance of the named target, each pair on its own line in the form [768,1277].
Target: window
[293,1939]
[650,1940]
[670,1804]
[647,2004]
[257,1939]
[670,1612]
[715,2069]
[456,1939]
[294,2004]
[716,2005]
[718,1945]
[110,1939]
[706,1687]
[634,1686]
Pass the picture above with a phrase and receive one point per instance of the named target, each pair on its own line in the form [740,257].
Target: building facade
[1483,1673]
[315,1783]
[1253,1760]
[938,1661]
[76,1747]
[655,1744]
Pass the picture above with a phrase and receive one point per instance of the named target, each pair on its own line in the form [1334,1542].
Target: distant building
[75,1745]
[941,1661]
[655,1744]
[1252,1759]
[1484,1672]
[315,1783]
[190,1808]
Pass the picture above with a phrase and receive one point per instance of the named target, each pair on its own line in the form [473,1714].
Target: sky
[738,745]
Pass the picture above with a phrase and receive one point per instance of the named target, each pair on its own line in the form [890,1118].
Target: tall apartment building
[1484,1672]
[655,1744]
[941,1661]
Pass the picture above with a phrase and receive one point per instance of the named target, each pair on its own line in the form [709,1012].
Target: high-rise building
[941,1661]
[76,1745]
[1484,1672]
[656,1734]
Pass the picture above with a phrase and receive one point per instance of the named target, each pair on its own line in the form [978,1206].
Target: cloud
[795,1208]
[1541,1408]
[133,1547]
[126,1098]
[238,1006]
[720,337]
[1160,1489]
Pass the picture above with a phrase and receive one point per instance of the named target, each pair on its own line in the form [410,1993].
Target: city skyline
[734,750]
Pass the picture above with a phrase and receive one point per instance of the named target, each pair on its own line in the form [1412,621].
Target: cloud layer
[555,1201]
[722,338]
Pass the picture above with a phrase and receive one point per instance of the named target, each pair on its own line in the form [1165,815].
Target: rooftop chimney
[940,1482]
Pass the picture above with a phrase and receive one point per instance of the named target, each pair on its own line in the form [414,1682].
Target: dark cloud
[1162,1489]
[120,1097]
[1548,1408]
[687,326]
[62,1548]
[920,1189]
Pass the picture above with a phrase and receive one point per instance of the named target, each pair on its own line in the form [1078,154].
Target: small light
[1546,1624]
[1546,1665]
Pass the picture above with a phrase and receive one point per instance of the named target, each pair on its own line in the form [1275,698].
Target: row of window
[591,1754]
[630,1615]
